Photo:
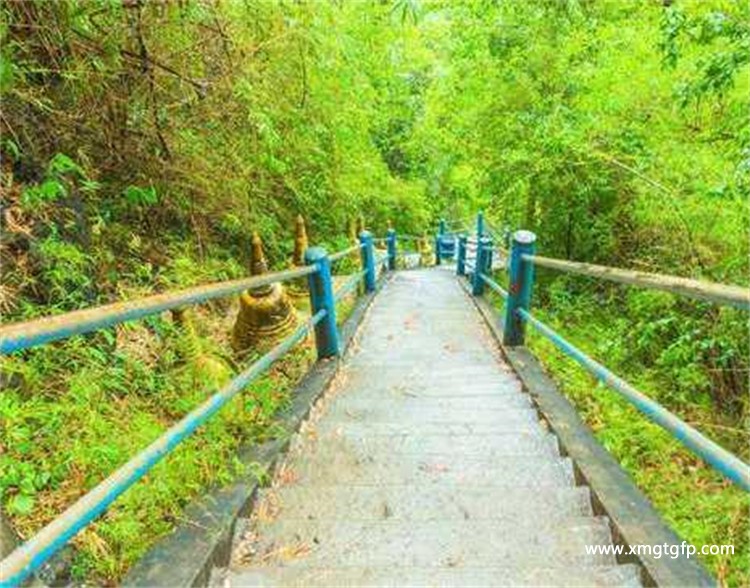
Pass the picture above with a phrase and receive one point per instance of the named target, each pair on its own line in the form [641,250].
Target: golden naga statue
[298,287]
[266,313]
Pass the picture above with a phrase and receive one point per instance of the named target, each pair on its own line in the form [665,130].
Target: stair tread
[427,501]
[397,576]
[422,543]
[410,468]
[424,464]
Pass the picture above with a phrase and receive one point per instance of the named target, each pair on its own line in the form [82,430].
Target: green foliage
[144,142]
[47,191]
[727,33]
[697,501]
[65,270]
[141,197]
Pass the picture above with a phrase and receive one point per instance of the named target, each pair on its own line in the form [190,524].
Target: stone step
[623,576]
[405,469]
[415,386]
[380,361]
[435,374]
[455,428]
[425,464]
[405,400]
[403,322]
[382,412]
[368,448]
[425,502]
[465,543]
[455,349]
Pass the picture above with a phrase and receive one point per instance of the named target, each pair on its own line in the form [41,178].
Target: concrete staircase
[424,465]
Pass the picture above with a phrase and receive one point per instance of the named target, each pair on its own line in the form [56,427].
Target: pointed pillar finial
[265,313]
[258,265]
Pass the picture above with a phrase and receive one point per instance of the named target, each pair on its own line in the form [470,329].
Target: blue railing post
[480,265]
[321,298]
[521,281]
[480,226]
[439,241]
[368,260]
[461,256]
[391,240]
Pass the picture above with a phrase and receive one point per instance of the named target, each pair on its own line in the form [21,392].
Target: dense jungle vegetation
[143,142]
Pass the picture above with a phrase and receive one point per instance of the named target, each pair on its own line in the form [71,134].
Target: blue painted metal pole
[494,286]
[391,240]
[18,336]
[349,285]
[368,260]
[322,298]
[461,257]
[441,227]
[480,225]
[480,266]
[726,463]
[521,281]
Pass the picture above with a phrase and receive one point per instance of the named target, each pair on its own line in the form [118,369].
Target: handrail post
[521,282]
[480,226]
[391,240]
[368,260]
[321,298]
[439,242]
[461,256]
[480,265]
[441,227]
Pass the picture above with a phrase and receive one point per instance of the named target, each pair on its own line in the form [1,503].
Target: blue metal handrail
[28,557]
[721,459]
[709,291]
[35,551]
[349,285]
[517,299]
[341,254]
[493,285]
[18,336]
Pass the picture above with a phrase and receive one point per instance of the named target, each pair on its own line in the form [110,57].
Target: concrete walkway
[424,465]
